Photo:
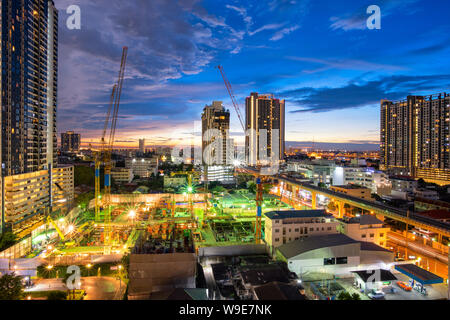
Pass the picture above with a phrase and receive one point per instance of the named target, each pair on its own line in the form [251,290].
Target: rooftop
[279,291]
[363,220]
[297,214]
[265,274]
[435,214]
[420,275]
[403,178]
[297,247]
[384,275]
[370,246]
[350,187]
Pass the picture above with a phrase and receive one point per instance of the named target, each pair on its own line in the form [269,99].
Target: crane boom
[233,98]
[105,153]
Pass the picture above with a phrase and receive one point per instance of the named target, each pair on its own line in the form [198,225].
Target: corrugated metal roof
[294,248]
[297,214]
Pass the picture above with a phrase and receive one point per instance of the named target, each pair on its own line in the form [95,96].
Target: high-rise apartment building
[70,141]
[215,133]
[265,125]
[415,137]
[142,146]
[29,54]
[217,147]
[28,86]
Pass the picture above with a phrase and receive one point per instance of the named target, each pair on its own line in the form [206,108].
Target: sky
[318,55]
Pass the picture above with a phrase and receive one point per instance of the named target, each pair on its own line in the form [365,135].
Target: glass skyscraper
[28,86]
[29,62]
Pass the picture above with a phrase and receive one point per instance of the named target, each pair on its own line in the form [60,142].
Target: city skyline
[337,80]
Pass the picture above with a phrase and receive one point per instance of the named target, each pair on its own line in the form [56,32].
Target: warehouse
[333,253]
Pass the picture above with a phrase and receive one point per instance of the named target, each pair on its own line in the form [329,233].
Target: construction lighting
[190,189]
[49,267]
[70,228]
[132,214]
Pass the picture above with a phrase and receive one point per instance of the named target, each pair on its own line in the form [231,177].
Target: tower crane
[103,156]
[259,194]
[233,98]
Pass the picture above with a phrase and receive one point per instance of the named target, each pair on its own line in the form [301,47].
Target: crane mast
[104,155]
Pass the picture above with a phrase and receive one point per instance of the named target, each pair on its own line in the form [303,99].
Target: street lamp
[120,276]
[89,266]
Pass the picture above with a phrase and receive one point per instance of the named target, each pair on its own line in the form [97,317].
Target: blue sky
[318,55]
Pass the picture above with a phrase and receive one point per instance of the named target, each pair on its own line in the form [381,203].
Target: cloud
[358,19]
[345,64]
[242,12]
[280,34]
[271,26]
[355,95]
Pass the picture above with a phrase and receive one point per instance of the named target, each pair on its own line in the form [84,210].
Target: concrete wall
[316,265]
[313,261]
[160,272]
[249,249]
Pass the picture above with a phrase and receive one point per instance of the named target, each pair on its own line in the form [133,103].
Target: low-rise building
[364,228]
[439,214]
[426,194]
[223,174]
[142,167]
[354,191]
[375,180]
[403,183]
[323,254]
[175,181]
[335,254]
[282,227]
[122,175]
[318,171]
[29,196]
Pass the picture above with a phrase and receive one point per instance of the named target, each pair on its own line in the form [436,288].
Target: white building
[377,181]
[323,254]
[319,171]
[142,167]
[403,184]
[282,227]
[223,174]
[333,254]
[426,194]
[365,228]
[122,175]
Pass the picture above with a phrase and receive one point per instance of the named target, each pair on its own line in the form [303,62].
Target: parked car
[404,286]
[376,295]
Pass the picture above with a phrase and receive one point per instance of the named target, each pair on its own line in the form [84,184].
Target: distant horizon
[319,56]
[313,145]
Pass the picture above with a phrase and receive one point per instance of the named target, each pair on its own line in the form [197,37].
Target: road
[97,288]
[418,247]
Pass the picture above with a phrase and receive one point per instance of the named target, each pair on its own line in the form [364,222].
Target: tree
[7,240]
[356,296]
[57,295]
[251,186]
[11,287]
[344,295]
